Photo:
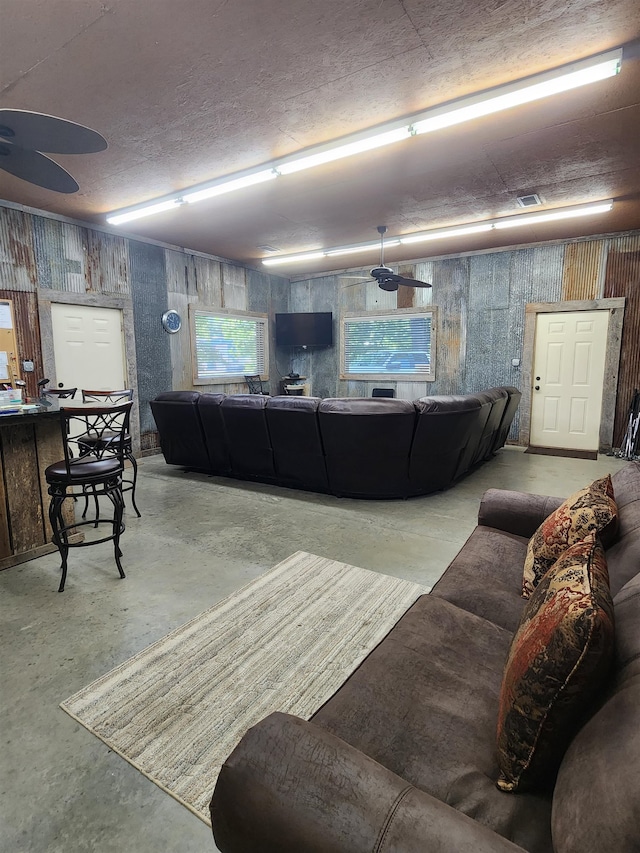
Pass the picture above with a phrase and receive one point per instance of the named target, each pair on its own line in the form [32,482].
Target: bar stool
[116,397]
[62,393]
[92,467]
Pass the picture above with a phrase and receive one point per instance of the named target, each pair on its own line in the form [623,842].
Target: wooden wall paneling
[22,483]
[107,263]
[450,295]
[208,281]
[49,450]
[583,269]
[5,537]
[27,328]
[622,278]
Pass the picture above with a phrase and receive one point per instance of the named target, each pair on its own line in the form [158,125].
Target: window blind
[229,345]
[386,344]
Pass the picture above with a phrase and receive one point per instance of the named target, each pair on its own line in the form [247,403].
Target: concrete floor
[199,539]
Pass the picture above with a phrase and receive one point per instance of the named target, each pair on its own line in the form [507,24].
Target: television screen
[313,329]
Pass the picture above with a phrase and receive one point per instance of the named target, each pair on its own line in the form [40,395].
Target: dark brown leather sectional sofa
[357,447]
[402,758]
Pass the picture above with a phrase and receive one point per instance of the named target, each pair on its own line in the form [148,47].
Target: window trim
[194,309]
[391,312]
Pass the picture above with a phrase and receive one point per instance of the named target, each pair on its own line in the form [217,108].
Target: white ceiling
[190,91]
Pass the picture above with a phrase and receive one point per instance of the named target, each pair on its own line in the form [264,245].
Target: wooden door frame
[121,303]
[615,307]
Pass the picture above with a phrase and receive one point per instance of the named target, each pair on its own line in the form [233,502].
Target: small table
[295,385]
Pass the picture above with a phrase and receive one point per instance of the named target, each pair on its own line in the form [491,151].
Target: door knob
[537,387]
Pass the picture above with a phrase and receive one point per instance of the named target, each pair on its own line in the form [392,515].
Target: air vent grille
[531,200]
[269,249]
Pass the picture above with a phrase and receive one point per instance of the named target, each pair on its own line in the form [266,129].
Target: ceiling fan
[24,135]
[387,279]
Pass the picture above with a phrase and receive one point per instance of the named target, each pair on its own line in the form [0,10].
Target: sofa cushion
[424,705]
[485,577]
[560,656]
[590,508]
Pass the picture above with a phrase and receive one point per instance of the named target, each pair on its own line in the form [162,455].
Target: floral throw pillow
[560,657]
[590,509]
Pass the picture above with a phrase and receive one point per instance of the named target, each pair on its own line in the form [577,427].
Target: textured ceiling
[187,92]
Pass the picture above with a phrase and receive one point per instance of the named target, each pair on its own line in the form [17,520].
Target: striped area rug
[285,642]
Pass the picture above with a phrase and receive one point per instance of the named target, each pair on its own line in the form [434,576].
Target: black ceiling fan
[387,279]
[24,135]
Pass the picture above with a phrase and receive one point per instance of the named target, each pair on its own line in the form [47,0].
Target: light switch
[515,362]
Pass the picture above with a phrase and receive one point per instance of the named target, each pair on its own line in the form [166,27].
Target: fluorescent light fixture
[146,210]
[337,152]
[521,92]
[292,259]
[229,186]
[442,234]
[552,215]
[435,118]
[523,219]
[365,247]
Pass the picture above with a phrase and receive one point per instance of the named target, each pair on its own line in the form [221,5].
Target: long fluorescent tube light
[147,210]
[522,92]
[551,215]
[435,118]
[222,187]
[575,210]
[337,152]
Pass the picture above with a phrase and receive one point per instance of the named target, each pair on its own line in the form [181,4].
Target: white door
[88,347]
[568,374]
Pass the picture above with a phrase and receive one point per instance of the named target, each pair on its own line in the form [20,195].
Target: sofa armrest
[515,512]
[290,786]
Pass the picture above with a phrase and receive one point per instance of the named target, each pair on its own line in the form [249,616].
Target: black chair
[255,384]
[383,392]
[111,397]
[92,467]
[62,393]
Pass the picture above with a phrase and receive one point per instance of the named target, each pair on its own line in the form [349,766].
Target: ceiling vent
[269,249]
[531,200]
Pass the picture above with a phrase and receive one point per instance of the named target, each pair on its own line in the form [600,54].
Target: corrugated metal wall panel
[582,269]
[18,268]
[60,255]
[622,278]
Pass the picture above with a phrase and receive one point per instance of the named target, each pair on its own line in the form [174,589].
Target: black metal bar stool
[92,467]
[117,397]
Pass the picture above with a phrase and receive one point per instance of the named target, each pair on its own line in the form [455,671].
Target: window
[226,346]
[396,345]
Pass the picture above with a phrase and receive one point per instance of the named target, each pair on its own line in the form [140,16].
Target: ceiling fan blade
[36,168]
[388,285]
[413,282]
[40,132]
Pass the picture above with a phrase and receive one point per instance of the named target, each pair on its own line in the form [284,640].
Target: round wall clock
[171,321]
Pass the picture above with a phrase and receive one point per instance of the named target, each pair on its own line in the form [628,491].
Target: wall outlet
[27,366]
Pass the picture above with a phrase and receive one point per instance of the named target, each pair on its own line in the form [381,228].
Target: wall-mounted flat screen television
[312,329]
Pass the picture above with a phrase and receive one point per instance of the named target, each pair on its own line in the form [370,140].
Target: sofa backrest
[181,436]
[443,428]
[209,409]
[297,446]
[245,423]
[475,436]
[498,398]
[367,443]
[596,798]
[513,402]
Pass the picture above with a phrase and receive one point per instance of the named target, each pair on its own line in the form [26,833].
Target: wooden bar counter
[30,440]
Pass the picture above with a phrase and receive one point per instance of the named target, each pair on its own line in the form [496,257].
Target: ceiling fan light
[146,210]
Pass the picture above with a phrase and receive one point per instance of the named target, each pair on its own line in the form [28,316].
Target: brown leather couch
[359,447]
[402,758]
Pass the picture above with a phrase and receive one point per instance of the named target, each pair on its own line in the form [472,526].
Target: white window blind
[229,345]
[382,345]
